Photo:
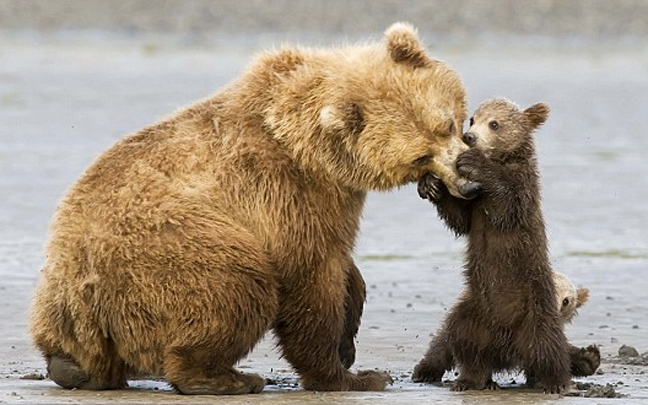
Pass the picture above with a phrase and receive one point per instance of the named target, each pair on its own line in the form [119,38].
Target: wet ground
[64,100]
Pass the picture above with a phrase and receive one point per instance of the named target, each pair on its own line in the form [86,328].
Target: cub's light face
[484,132]
[568,297]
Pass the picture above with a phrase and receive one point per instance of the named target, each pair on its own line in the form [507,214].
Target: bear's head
[568,297]
[373,117]
[500,129]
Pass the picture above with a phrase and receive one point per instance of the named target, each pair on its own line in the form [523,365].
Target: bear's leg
[193,370]
[309,328]
[436,361]
[224,317]
[353,306]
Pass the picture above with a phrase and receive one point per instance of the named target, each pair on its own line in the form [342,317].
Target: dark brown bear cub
[507,315]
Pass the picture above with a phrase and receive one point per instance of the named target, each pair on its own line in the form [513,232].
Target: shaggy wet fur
[584,361]
[507,316]
[184,243]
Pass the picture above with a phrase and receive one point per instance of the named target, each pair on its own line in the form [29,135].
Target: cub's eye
[565,302]
[452,128]
[472,121]
[494,125]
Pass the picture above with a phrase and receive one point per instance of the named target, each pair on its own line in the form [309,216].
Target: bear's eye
[472,121]
[494,125]
[452,128]
[565,302]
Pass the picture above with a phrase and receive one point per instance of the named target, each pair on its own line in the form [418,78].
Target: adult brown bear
[185,242]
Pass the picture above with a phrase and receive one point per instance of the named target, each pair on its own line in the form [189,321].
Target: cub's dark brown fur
[507,316]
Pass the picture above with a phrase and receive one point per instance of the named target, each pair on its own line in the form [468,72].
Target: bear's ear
[537,114]
[345,116]
[583,296]
[404,47]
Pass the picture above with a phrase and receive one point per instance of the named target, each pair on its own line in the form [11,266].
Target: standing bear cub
[507,316]
[185,242]
[584,361]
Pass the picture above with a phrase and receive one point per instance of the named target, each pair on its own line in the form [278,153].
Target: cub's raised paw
[470,164]
[585,361]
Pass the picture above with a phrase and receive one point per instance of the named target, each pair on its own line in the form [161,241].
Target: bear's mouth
[422,161]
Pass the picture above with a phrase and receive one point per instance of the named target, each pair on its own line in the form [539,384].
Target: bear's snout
[469,138]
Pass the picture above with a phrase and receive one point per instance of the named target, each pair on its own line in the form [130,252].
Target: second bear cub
[507,316]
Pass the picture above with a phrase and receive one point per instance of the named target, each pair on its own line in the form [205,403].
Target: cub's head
[500,129]
[568,297]
[374,117]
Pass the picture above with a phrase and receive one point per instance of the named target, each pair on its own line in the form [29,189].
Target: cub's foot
[531,381]
[553,388]
[230,383]
[585,361]
[425,372]
[464,384]
[491,385]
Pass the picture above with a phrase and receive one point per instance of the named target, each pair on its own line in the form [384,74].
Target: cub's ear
[342,117]
[583,296]
[404,47]
[537,114]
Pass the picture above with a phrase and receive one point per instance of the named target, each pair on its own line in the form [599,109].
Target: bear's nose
[469,138]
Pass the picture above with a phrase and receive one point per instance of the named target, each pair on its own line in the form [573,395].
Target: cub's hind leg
[436,361]
[472,345]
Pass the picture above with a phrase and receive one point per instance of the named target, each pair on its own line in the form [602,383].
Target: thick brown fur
[185,242]
[507,316]
[584,361]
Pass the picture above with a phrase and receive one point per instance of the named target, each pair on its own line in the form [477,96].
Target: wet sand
[63,101]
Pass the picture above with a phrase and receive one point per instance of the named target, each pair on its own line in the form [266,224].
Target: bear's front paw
[429,187]
[370,380]
[585,361]
[470,164]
